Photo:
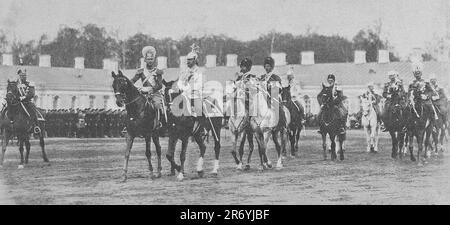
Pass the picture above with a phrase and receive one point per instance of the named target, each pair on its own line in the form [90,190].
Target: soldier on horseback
[27,92]
[373,97]
[151,78]
[190,82]
[440,101]
[421,91]
[243,77]
[272,82]
[393,88]
[338,98]
[295,91]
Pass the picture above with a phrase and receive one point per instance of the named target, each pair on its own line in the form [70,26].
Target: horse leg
[411,147]
[201,145]
[155,139]
[184,144]
[441,139]
[5,140]
[261,149]
[148,154]
[217,146]
[251,147]
[278,148]
[394,144]
[367,132]
[42,144]
[324,145]
[341,138]
[129,145]
[333,147]
[237,137]
[297,138]
[377,136]
[27,147]
[170,155]
[266,138]
[21,142]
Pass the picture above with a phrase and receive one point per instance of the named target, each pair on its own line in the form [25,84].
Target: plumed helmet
[332,77]
[269,60]
[192,55]
[247,63]
[148,49]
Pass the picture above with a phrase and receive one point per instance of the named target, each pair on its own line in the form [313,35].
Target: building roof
[308,75]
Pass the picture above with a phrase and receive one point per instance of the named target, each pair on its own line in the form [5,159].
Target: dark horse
[181,127]
[395,123]
[419,121]
[139,120]
[21,126]
[297,119]
[329,123]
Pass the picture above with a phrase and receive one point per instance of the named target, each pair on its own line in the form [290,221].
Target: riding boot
[157,122]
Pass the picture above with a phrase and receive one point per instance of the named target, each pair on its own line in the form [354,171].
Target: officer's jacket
[271,81]
[440,94]
[393,87]
[418,88]
[151,79]
[191,81]
[26,89]
[338,97]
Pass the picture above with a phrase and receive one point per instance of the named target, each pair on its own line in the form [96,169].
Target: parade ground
[88,171]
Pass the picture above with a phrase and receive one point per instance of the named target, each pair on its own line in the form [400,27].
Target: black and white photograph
[231,103]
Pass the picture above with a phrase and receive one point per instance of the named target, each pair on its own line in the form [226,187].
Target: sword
[209,119]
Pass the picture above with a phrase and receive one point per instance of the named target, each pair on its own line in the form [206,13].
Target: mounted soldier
[190,83]
[272,84]
[373,97]
[244,77]
[338,98]
[27,93]
[421,91]
[440,100]
[295,92]
[151,78]
[393,92]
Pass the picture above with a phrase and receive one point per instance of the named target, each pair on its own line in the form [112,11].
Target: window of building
[55,102]
[91,101]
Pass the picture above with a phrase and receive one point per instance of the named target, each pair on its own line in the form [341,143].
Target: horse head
[326,96]
[12,93]
[286,94]
[124,90]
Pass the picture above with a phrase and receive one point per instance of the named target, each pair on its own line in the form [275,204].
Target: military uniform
[190,83]
[440,100]
[375,99]
[420,91]
[338,103]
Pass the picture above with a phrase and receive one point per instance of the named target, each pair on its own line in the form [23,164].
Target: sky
[407,24]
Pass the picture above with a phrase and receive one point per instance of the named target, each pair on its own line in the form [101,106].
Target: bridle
[124,97]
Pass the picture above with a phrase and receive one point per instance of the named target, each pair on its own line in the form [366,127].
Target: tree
[64,48]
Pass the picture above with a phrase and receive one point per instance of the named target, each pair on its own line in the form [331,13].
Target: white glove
[424,97]
[389,96]
[22,98]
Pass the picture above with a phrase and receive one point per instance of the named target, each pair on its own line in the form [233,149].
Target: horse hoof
[214,173]
[413,159]
[247,167]
[269,165]
[279,167]
[158,175]
[180,177]
[200,173]
[261,169]
[20,167]
[124,180]
[239,166]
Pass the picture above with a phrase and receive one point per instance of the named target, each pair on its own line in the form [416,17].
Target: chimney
[79,63]
[307,58]
[45,61]
[183,61]
[232,60]
[383,56]
[360,57]
[211,61]
[162,62]
[7,59]
[279,58]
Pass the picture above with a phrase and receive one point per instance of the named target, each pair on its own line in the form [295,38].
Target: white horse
[371,124]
